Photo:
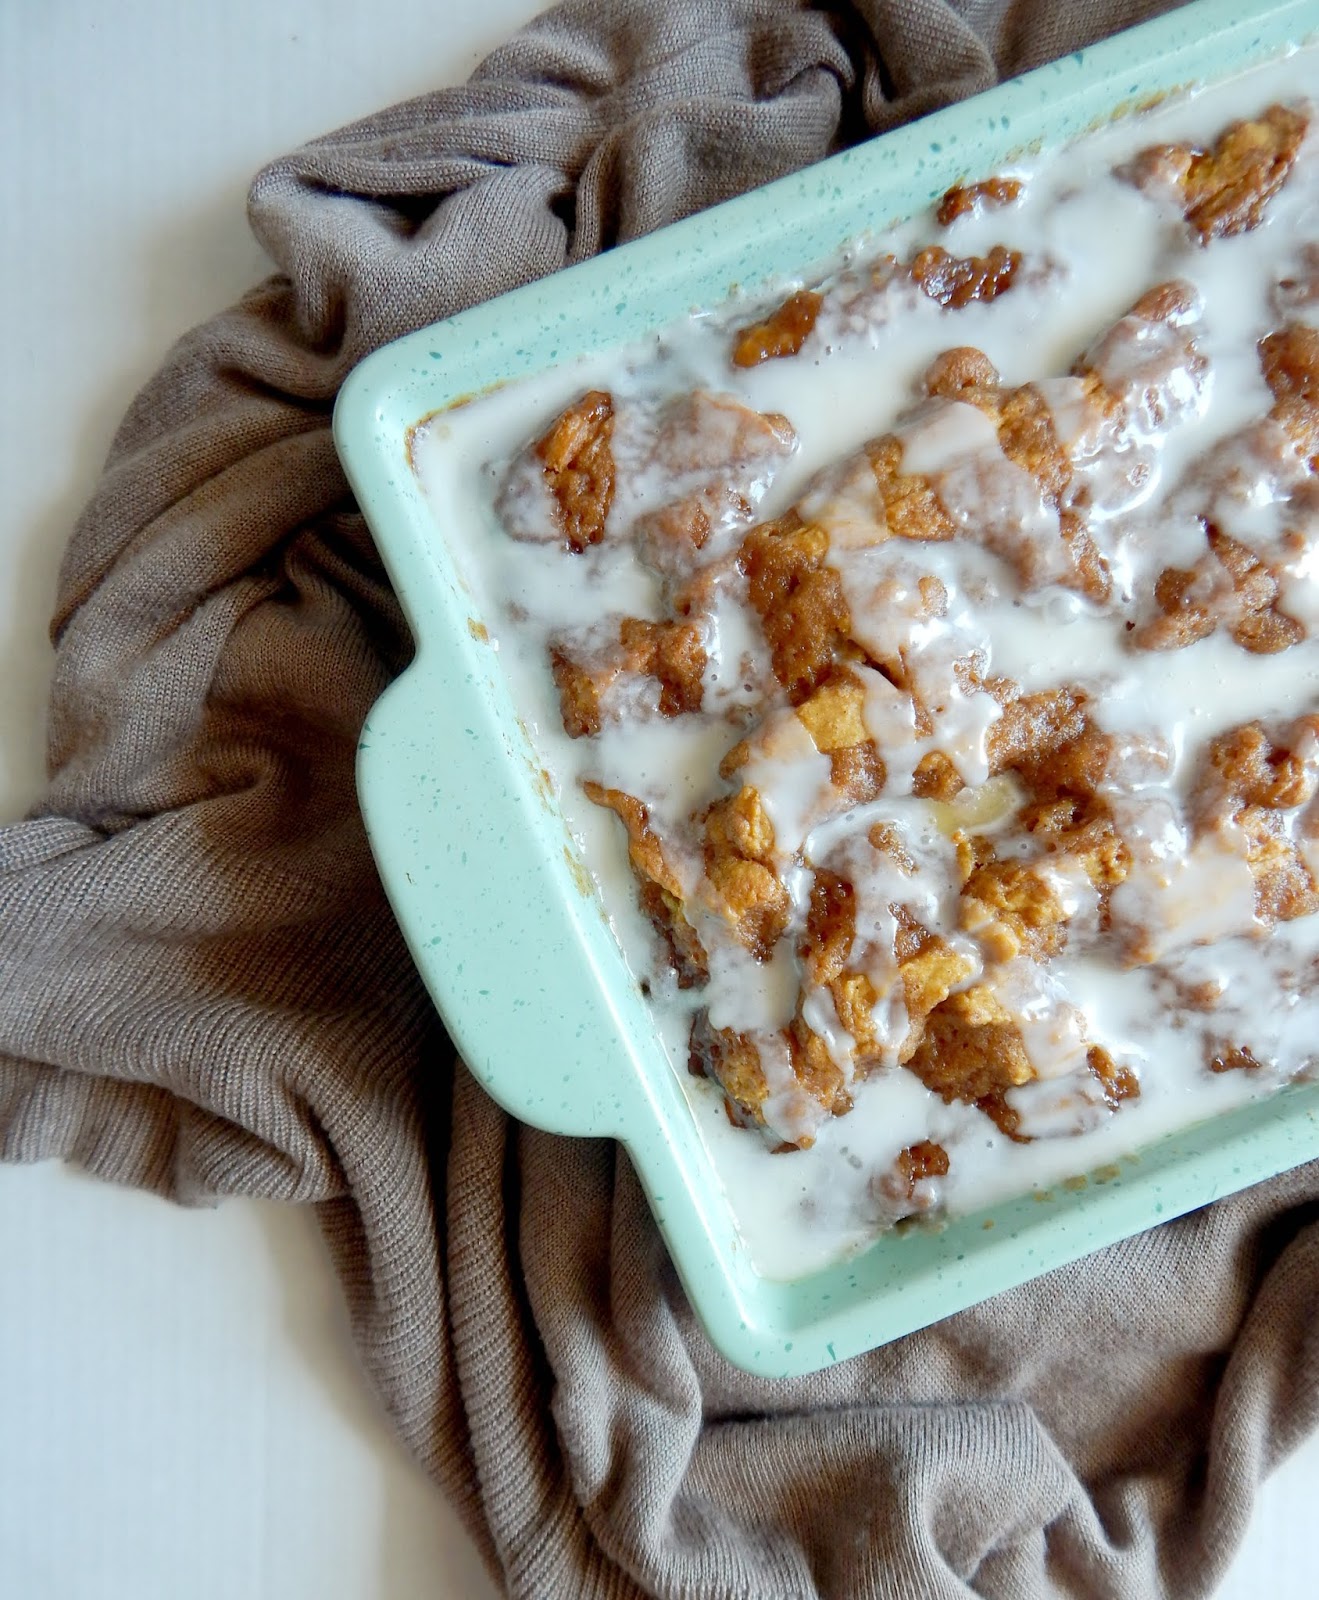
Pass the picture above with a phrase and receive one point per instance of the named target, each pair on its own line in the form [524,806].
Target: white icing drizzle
[1191,443]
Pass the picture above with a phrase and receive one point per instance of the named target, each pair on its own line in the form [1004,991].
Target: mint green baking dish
[485,878]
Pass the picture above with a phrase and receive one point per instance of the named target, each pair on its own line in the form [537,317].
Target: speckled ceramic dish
[486,881]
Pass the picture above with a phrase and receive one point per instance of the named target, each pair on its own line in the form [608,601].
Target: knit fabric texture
[203,993]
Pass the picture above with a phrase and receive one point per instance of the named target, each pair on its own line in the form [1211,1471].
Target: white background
[180,1409]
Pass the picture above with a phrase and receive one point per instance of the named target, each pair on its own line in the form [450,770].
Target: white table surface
[181,1413]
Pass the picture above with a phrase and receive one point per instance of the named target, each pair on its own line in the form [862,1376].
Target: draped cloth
[202,991]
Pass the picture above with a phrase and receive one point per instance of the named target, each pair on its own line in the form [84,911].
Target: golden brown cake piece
[911,506]
[923,966]
[733,1061]
[1231,583]
[741,884]
[1234,1058]
[782,333]
[1038,734]
[829,723]
[627,668]
[971,1049]
[644,848]
[682,944]
[815,1071]
[1234,584]
[1262,627]
[660,891]
[967,198]
[797,592]
[1028,439]
[1117,1083]
[785,1081]
[930,970]
[924,1159]
[1224,190]
[830,927]
[798,598]
[718,457]
[936,778]
[834,716]
[957,281]
[1290,362]
[955,372]
[1014,909]
[1140,363]
[703,435]
[579,468]
[1144,360]
[672,539]
[909,1187]
[1289,359]
[603,465]
[883,289]
[1249,784]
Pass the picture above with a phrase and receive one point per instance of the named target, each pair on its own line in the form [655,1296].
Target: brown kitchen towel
[202,991]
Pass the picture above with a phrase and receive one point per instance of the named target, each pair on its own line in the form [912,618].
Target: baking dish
[482,871]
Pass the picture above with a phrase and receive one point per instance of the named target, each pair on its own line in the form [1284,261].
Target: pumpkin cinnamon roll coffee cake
[925,654]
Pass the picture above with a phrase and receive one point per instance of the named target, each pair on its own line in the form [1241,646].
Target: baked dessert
[975,762]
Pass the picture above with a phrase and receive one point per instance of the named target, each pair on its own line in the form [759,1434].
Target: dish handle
[512,958]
